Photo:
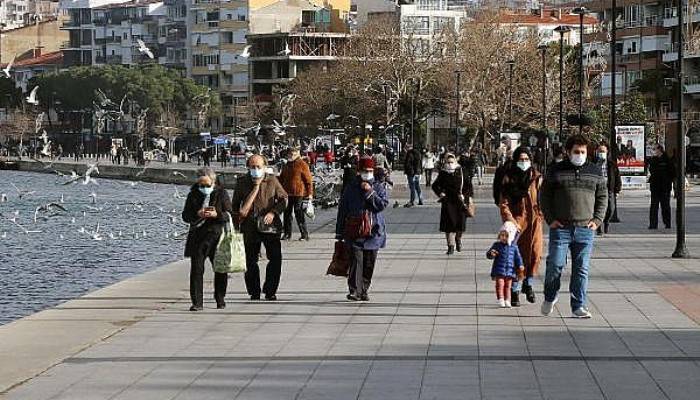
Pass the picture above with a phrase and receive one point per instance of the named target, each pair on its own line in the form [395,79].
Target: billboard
[630,145]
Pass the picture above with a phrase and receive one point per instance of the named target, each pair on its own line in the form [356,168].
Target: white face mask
[603,156]
[367,176]
[256,173]
[450,167]
[524,165]
[577,159]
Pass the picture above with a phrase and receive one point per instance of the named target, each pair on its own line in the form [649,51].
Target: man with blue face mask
[258,202]
[574,199]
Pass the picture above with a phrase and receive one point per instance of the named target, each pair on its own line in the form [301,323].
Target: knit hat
[365,163]
[512,231]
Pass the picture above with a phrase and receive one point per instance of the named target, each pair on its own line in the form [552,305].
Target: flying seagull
[286,50]
[143,49]
[7,69]
[32,96]
[246,52]
[22,192]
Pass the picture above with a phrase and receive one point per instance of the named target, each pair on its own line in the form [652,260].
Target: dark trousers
[294,205]
[273,249]
[204,250]
[428,176]
[612,205]
[663,198]
[361,270]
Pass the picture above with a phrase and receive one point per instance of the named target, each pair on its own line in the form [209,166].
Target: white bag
[309,211]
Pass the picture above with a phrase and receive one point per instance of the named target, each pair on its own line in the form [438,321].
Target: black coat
[452,216]
[614,179]
[662,173]
[413,163]
[220,200]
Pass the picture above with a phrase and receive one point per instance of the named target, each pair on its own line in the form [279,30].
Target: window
[201,60]
[213,16]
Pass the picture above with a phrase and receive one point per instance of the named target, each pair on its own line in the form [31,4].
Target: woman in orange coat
[519,204]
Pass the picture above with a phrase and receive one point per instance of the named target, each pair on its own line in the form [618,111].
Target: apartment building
[12,13]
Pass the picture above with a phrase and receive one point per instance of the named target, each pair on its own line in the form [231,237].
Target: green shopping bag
[230,252]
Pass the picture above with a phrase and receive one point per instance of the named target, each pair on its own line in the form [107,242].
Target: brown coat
[528,216]
[296,179]
[271,198]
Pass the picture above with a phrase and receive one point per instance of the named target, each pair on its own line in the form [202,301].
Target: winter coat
[662,173]
[413,163]
[506,262]
[527,215]
[220,200]
[452,216]
[271,198]
[613,176]
[353,202]
[296,179]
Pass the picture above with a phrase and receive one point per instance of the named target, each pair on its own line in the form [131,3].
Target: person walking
[519,204]
[349,164]
[223,154]
[574,199]
[205,210]
[611,173]
[364,199]
[506,261]
[412,168]
[297,182]
[479,164]
[429,160]
[661,176]
[258,202]
[454,188]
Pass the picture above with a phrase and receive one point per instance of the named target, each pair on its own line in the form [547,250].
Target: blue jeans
[580,241]
[414,187]
[518,285]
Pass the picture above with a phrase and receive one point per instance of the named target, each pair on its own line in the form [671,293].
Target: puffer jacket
[508,260]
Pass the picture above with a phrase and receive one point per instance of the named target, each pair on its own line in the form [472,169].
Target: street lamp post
[457,96]
[613,72]
[561,29]
[681,251]
[624,83]
[581,12]
[543,50]
[511,64]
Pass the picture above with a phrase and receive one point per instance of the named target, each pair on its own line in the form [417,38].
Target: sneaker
[548,306]
[582,313]
[507,304]
[501,303]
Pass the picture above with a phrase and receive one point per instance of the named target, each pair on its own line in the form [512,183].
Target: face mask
[367,176]
[450,167]
[256,173]
[603,156]
[578,159]
[524,165]
[206,190]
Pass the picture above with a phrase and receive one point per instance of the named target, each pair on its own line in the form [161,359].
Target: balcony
[671,52]
[671,15]
[691,85]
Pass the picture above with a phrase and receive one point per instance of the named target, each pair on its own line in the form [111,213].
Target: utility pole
[561,29]
[613,73]
[543,50]
[681,251]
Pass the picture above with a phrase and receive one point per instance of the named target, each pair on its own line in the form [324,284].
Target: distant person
[480,162]
[349,164]
[429,160]
[363,199]
[661,176]
[573,199]
[611,173]
[205,210]
[506,263]
[454,188]
[412,168]
[297,181]
[258,203]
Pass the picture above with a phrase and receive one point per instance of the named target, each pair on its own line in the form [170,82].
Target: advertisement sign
[630,143]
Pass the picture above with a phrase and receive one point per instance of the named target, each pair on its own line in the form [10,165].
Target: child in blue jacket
[506,259]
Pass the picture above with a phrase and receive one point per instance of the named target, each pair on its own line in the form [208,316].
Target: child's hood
[512,231]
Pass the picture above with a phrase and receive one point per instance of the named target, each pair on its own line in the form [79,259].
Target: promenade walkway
[431,331]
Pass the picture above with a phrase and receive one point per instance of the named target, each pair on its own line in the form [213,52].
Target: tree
[632,111]
[10,96]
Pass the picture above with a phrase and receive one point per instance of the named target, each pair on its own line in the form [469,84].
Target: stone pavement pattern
[431,331]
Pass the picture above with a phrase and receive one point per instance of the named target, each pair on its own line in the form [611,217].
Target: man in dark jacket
[413,169]
[573,199]
[610,171]
[662,173]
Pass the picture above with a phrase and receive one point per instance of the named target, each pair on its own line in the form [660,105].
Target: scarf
[518,183]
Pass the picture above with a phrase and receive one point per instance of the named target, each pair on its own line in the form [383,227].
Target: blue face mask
[256,173]
[206,190]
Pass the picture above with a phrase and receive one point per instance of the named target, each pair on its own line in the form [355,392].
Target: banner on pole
[630,146]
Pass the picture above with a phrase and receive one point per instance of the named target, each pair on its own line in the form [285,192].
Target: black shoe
[615,220]
[254,297]
[450,250]
[408,205]
[270,297]
[606,228]
[515,299]
[653,227]
[286,237]
[459,246]
[304,237]
[420,203]
[221,305]
[364,297]
[352,297]
[529,293]
[196,308]
[668,226]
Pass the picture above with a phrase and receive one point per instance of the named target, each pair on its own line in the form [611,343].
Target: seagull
[61,200]
[32,96]
[3,198]
[7,69]
[178,173]
[141,172]
[143,49]
[246,52]
[94,197]
[96,233]
[46,208]
[43,164]
[177,194]
[286,50]
[22,192]
[92,169]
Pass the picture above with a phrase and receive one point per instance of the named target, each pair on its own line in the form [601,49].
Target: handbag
[468,204]
[340,264]
[358,226]
[230,251]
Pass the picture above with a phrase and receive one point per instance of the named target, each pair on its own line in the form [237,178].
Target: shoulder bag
[468,203]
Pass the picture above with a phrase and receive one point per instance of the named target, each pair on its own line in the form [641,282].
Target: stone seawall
[156,174]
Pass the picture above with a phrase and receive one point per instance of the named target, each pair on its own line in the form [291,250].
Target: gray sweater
[574,195]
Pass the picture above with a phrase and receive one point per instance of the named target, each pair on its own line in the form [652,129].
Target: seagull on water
[94,197]
[47,208]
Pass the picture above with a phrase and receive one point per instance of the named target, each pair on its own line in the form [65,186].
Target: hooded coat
[452,216]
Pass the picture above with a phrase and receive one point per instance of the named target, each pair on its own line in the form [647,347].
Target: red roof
[53,58]
[551,17]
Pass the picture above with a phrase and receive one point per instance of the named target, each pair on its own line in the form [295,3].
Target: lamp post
[613,72]
[681,251]
[581,12]
[511,64]
[543,51]
[561,29]
[624,83]
[457,96]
